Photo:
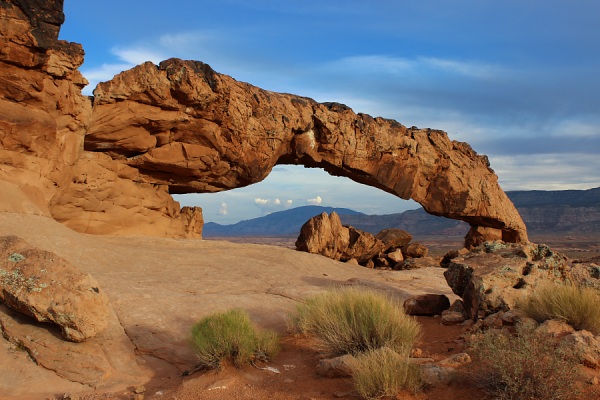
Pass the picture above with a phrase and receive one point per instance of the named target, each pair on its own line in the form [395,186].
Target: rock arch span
[182,126]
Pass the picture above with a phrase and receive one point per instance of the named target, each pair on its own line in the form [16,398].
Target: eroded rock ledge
[180,127]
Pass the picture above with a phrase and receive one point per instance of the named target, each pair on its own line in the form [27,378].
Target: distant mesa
[108,165]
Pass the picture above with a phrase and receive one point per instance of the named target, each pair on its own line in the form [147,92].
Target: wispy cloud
[223,210]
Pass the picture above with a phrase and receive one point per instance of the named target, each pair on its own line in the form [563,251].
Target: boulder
[395,256]
[427,304]
[393,238]
[338,367]
[495,275]
[325,235]
[415,250]
[42,285]
[586,347]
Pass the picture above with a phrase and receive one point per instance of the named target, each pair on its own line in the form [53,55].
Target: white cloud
[223,210]
[261,202]
[277,202]
[288,203]
[315,201]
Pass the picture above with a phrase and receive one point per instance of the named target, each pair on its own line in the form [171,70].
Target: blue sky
[518,80]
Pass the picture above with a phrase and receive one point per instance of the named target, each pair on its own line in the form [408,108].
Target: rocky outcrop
[43,286]
[43,121]
[180,127]
[495,275]
[324,234]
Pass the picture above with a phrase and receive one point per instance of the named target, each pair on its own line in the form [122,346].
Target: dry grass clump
[524,366]
[383,372]
[231,335]
[352,320]
[577,306]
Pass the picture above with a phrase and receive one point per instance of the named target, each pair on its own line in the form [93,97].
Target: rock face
[180,127]
[41,285]
[43,122]
[495,275]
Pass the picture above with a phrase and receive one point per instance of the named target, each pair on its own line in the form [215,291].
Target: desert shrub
[383,372]
[524,366]
[231,335]
[577,306]
[352,320]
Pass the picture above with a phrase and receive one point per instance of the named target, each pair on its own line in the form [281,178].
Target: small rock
[338,367]
[594,381]
[416,353]
[511,317]
[434,375]
[288,380]
[452,318]
[352,261]
[138,396]
[556,329]
[222,384]
[426,304]
[456,360]
[140,389]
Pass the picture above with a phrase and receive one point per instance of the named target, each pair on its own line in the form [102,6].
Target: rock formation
[180,127]
[42,296]
[42,285]
[494,276]
[390,249]
[43,121]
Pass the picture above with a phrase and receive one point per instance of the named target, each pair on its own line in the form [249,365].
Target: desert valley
[103,274]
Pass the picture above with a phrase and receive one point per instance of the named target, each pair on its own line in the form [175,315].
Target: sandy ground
[160,287]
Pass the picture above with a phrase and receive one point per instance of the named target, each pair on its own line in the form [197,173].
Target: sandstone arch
[183,125]
[109,165]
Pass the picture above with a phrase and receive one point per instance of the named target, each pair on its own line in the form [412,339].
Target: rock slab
[41,285]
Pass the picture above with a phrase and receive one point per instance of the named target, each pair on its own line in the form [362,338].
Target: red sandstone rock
[325,235]
[41,285]
[180,127]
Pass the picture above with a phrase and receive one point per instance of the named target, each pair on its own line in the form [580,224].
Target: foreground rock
[495,275]
[181,127]
[42,285]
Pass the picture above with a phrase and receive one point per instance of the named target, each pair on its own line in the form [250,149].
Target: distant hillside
[563,212]
[281,223]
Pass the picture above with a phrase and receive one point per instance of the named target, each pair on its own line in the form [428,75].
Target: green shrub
[352,320]
[383,372]
[577,306]
[231,336]
[523,366]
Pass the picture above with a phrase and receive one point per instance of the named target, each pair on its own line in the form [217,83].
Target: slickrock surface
[160,287]
[180,127]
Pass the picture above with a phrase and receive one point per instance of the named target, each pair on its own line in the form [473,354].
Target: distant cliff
[562,212]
